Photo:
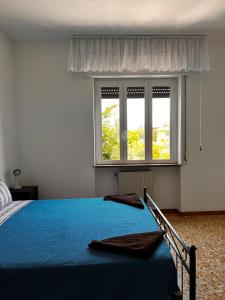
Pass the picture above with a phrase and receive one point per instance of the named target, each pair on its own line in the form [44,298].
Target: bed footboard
[184,256]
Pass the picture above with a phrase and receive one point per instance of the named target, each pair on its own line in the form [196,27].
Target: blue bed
[44,254]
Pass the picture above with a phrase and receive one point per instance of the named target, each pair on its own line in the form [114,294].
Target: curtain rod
[136,35]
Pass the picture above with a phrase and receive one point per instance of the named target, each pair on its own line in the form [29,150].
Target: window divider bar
[124,133]
[149,125]
[122,128]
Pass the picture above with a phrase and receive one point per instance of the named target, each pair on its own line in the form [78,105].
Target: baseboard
[202,213]
[170,211]
[194,213]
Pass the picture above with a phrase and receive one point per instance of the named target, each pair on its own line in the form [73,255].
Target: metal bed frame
[183,255]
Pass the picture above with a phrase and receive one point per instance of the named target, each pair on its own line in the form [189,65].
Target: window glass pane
[135,124]
[161,123]
[110,112]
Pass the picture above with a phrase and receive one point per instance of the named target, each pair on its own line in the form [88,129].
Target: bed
[44,253]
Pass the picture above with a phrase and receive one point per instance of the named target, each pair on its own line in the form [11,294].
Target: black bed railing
[184,256]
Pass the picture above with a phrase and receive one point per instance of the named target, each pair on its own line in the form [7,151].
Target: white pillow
[5,196]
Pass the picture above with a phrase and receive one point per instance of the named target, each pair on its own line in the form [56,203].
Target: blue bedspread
[44,254]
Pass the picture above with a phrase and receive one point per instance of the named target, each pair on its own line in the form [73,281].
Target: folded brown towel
[140,244]
[129,199]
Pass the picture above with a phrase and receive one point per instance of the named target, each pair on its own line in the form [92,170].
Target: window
[137,121]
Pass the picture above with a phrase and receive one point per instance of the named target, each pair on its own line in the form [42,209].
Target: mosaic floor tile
[207,233]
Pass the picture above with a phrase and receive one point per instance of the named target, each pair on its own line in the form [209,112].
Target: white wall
[54,122]
[165,190]
[56,132]
[8,135]
[203,178]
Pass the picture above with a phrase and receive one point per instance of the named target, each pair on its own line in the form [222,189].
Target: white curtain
[138,54]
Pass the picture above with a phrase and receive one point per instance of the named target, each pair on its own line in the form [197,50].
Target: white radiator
[134,182]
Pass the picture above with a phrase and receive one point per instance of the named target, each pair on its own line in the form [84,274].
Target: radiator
[134,182]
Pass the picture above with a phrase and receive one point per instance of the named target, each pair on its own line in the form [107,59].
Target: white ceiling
[30,19]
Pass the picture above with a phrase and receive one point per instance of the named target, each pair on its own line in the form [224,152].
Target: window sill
[137,165]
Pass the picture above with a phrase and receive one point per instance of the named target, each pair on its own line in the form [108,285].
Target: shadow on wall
[8,137]
[5,172]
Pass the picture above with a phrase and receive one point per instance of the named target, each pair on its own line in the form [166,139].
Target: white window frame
[175,84]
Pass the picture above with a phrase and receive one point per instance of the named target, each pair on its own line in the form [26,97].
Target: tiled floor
[207,233]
